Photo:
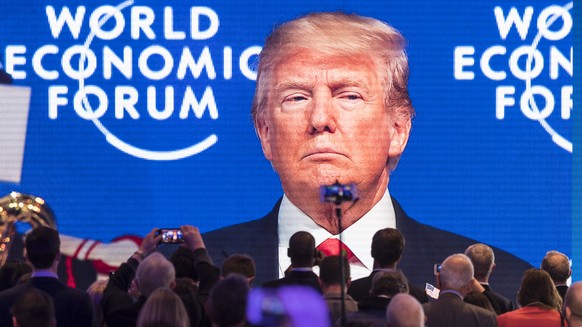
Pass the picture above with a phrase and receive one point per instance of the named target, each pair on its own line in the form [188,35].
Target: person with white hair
[153,271]
[404,310]
[455,281]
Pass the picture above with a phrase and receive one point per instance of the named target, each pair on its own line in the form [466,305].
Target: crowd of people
[188,289]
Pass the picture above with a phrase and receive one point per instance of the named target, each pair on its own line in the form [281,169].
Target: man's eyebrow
[308,84]
[350,82]
[294,84]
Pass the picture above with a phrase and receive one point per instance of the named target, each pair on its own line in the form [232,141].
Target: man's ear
[398,136]
[264,136]
[289,252]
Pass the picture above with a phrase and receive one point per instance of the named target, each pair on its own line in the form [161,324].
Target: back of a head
[456,273]
[227,302]
[557,265]
[34,308]
[42,246]
[241,264]
[163,308]
[573,304]
[483,259]
[387,247]
[388,283]
[329,270]
[11,271]
[183,261]
[404,311]
[153,272]
[537,287]
[301,249]
[95,291]
[185,286]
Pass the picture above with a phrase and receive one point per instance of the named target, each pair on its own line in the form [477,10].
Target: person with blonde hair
[539,300]
[163,308]
[95,292]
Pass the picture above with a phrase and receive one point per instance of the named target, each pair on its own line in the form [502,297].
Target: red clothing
[531,316]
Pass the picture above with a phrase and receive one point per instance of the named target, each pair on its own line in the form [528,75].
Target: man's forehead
[310,68]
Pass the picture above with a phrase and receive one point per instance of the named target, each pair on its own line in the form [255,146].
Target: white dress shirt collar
[357,237]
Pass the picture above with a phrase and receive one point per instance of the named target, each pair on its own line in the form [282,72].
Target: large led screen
[139,115]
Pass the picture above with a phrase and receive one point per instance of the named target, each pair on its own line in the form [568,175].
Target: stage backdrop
[163,137]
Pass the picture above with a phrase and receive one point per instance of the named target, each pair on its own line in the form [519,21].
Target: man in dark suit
[455,280]
[387,247]
[385,285]
[152,271]
[72,307]
[302,253]
[483,260]
[557,265]
[332,105]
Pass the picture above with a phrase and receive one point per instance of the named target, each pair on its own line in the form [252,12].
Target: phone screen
[171,235]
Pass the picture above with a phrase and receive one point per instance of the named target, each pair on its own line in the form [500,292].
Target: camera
[171,235]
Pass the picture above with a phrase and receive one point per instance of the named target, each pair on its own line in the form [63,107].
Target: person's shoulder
[274,283]
[7,295]
[72,295]
[480,311]
[267,222]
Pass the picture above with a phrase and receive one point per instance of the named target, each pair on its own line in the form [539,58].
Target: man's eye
[296,98]
[351,96]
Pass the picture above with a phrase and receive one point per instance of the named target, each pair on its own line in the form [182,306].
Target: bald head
[573,304]
[557,265]
[404,311]
[483,260]
[456,273]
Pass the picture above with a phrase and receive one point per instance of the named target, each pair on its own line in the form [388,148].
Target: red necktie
[331,246]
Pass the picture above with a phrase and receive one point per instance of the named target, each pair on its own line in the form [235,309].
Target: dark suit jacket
[360,289]
[374,306]
[119,309]
[500,303]
[425,246]
[295,277]
[73,307]
[450,310]
[562,289]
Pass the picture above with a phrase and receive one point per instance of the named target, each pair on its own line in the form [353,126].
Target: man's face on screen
[326,121]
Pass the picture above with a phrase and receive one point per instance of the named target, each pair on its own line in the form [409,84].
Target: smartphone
[171,235]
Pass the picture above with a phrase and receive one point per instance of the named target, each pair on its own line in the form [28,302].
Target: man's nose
[322,114]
